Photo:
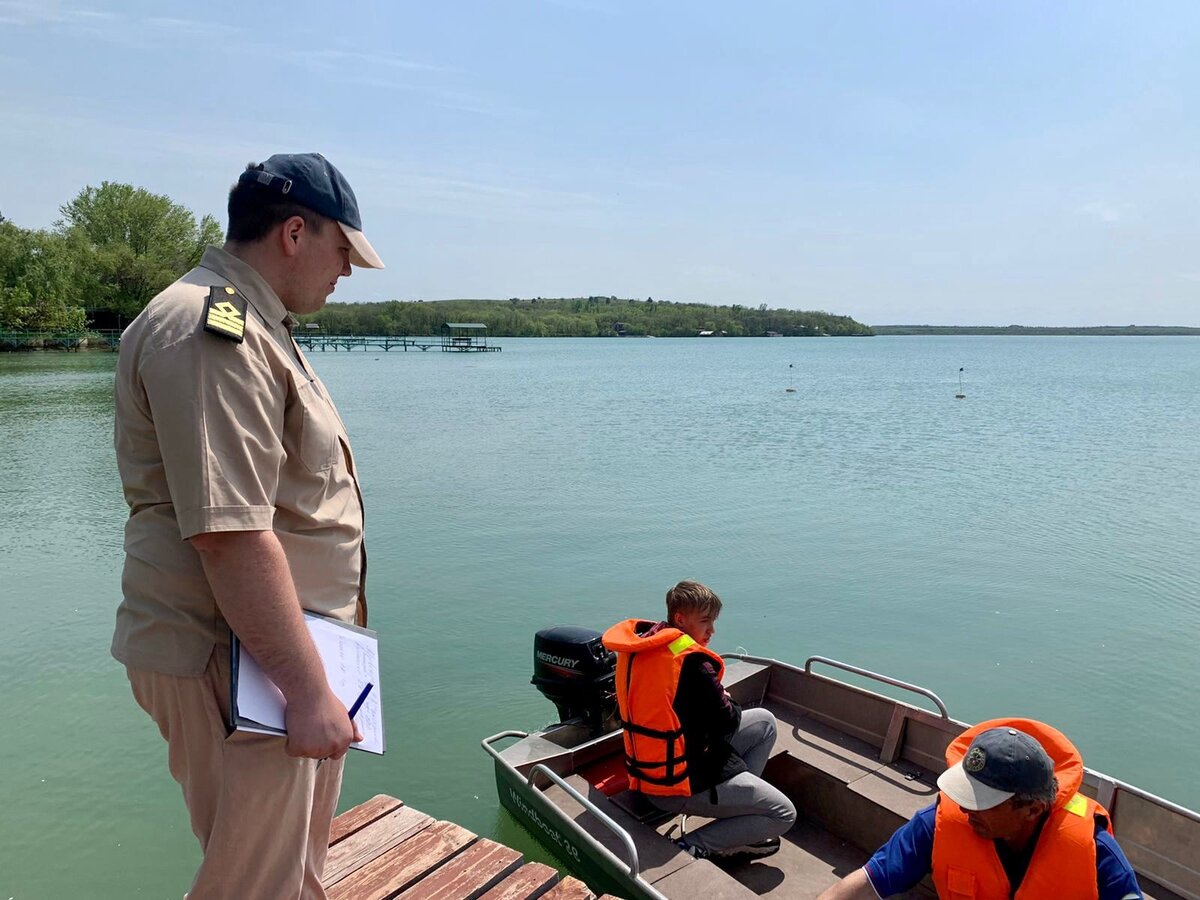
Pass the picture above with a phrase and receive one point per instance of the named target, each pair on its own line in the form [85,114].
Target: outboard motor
[574,671]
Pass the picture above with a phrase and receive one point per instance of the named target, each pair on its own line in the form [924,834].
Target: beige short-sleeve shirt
[215,435]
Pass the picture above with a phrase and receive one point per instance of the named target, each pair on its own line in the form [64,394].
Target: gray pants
[748,809]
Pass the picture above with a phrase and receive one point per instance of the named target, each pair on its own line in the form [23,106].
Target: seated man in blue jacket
[1007,823]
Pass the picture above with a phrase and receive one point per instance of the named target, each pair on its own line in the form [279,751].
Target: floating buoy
[790,390]
[960,395]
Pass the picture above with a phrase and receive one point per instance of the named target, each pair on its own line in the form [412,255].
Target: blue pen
[355,708]
[359,702]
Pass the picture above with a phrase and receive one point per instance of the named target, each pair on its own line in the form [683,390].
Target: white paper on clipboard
[351,658]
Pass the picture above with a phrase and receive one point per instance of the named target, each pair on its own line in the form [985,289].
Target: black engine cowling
[574,671]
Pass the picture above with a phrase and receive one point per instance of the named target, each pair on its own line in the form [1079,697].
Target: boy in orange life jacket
[1008,823]
[688,747]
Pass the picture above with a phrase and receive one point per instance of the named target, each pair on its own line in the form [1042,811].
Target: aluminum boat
[856,763]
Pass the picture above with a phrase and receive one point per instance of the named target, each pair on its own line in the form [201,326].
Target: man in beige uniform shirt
[244,511]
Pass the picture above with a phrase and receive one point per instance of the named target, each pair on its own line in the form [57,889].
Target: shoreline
[108,341]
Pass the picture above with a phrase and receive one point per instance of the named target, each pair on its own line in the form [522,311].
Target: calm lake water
[1028,550]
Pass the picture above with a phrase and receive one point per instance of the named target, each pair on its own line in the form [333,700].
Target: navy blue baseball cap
[999,763]
[312,181]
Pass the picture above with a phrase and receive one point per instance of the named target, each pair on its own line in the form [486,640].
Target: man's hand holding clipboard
[353,711]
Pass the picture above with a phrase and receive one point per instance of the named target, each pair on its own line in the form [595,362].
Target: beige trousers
[262,817]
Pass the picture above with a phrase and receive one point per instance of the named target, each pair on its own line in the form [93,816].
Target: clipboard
[350,655]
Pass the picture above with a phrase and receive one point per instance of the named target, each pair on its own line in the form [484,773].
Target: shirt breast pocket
[318,431]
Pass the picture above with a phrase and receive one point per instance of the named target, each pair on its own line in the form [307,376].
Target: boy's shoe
[691,849]
[757,850]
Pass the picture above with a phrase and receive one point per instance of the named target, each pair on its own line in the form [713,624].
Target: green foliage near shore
[580,317]
[1099,330]
[37,281]
[115,247]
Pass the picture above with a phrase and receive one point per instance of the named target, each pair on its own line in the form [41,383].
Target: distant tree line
[581,317]
[1098,330]
[117,245]
[114,248]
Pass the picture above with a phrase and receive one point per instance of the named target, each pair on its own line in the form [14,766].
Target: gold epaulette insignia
[225,313]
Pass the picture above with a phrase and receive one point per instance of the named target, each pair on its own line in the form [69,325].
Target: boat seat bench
[835,778]
[839,781]
[636,804]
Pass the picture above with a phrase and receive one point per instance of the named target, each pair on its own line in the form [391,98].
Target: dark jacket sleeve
[709,719]
[705,704]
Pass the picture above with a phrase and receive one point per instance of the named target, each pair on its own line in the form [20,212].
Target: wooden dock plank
[370,841]
[364,814]
[530,881]
[385,850]
[569,889]
[404,865]
[468,875]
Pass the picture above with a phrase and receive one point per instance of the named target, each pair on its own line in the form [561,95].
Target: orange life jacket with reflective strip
[647,679]
[1064,861]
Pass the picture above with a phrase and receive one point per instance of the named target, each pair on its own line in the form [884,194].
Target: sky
[899,162]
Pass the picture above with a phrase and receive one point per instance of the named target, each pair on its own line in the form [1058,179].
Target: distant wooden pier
[110,339]
[383,849]
[455,338]
[337,342]
[465,337]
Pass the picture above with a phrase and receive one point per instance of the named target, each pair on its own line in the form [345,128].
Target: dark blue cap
[999,763]
[1008,760]
[312,181]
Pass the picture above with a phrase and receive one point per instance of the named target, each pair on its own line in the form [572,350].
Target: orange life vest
[1063,866]
[655,754]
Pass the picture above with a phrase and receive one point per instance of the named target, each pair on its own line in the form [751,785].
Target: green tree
[37,274]
[131,244]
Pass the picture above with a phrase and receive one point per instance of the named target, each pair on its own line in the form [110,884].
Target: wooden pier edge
[382,849]
[318,341]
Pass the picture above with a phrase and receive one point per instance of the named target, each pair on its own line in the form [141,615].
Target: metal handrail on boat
[886,679]
[621,834]
[866,673]
[488,741]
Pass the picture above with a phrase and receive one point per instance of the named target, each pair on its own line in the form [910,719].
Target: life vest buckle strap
[666,780]
[651,732]
[634,763]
